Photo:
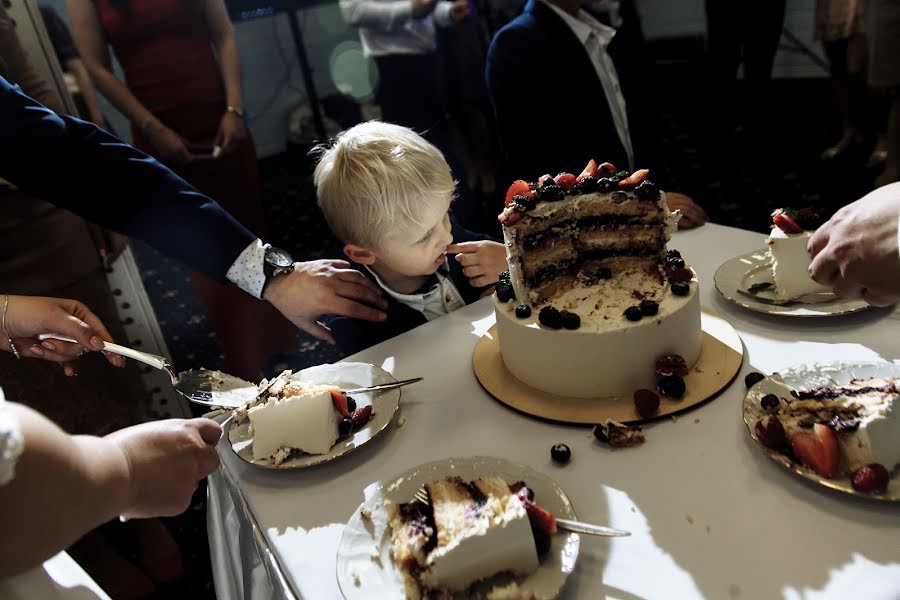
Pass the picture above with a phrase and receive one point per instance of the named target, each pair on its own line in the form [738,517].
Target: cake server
[207,387]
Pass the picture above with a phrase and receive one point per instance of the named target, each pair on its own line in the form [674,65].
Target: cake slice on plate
[787,241]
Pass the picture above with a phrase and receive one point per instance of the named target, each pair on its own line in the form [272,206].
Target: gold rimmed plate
[806,377]
[736,277]
[364,566]
[346,375]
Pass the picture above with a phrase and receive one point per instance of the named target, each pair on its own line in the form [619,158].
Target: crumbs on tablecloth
[697,420]
[401,421]
[674,418]
[356,579]
[689,518]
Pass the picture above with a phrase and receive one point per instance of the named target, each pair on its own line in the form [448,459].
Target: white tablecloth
[59,578]
[710,515]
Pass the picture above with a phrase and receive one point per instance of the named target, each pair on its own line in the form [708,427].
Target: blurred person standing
[184,100]
[882,19]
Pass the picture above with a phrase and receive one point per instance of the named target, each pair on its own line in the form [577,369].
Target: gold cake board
[721,355]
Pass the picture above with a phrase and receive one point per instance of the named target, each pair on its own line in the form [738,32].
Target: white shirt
[442,298]
[595,37]
[11,441]
[387,27]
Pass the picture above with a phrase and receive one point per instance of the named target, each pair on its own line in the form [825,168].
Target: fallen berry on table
[560,453]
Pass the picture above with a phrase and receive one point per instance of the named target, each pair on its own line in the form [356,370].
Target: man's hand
[692,215]
[422,8]
[165,461]
[482,262]
[320,287]
[855,252]
[29,316]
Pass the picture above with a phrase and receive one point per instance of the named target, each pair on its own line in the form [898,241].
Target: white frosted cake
[790,262]
[467,532]
[292,416]
[593,298]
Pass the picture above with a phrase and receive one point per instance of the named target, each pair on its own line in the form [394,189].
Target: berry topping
[672,254]
[589,171]
[675,262]
[840,425]
[504,276]
[565,180]
[351,405]
[510,220]
[524,203]
[647,191]
[345,427]
[818,449]
[339,399]
[545,179]
[605,184]
[543,542]
[771,434]
[505,291]
[361,416]
[606,169]
[633,313]
[570,320]
[523,311]
[560,453]
[682,275]
[681,289]
[785,222]
[649,307]
[522,491]
[518,188]
[769,402]
[550,192]
[621,174]
[870,479]
[671,364]
[753,378]
[671,386]
[550,317]
[646,403]
[603,273]
[588,185]
[540,519]
[635,178]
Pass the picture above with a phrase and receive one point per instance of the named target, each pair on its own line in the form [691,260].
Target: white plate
[808,377]
[364,566]
[741,272]
[347,375]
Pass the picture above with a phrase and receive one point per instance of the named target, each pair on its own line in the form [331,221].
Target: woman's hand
[29,316]
[482,262]
[171,148]
[692,215]
[232,131]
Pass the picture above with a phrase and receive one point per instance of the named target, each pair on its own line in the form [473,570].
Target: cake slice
[790,262]
[468,531]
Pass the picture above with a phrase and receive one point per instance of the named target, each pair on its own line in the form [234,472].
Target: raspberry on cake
[602,296]
[787,248]
[467,532]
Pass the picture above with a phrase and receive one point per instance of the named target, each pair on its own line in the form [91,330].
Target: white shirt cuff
[247,271]
[442,13]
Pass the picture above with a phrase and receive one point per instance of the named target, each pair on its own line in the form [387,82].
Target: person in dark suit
[568,86]
[83,169]
[386,193]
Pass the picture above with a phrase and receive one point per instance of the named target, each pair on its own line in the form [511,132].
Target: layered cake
[289,416]
[787,242]
[837,430]
[466,532]
[592,297]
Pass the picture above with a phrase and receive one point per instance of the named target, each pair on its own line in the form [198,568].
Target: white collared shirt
[595,37]
[387,27]
[440,299]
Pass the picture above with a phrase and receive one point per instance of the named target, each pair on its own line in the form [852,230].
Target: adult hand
[482,262]
[166,459]
[320,287]
[28,316]
[692,215]
[171,148]
[109,244]
[459,9]
[855,252]
[422,8]
[232,131]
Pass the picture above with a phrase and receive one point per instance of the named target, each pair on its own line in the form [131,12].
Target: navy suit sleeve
[83,169]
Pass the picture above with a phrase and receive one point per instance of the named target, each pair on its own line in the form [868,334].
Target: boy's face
[418,249]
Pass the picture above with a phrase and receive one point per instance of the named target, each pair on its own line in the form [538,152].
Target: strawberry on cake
[592,296]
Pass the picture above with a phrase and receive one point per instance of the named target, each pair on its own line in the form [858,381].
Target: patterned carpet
[739,174]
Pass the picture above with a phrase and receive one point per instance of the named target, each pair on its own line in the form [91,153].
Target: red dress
[165,51]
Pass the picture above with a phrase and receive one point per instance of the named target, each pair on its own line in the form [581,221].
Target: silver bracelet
[12,346]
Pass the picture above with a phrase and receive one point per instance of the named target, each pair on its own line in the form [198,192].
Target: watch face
[279,258]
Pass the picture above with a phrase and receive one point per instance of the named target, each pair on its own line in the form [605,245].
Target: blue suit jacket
[354,335]
[552,114]
[81,168]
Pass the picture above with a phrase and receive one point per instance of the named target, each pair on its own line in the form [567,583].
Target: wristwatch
[277,263]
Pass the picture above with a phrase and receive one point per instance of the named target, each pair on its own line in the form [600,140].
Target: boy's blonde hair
[375,178]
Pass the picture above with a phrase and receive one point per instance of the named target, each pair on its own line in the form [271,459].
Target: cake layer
[608,355]
[790,264]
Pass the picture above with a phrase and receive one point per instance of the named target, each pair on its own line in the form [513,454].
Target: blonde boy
[386,194]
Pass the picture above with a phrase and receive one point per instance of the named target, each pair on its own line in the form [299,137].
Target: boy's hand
[482,262]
